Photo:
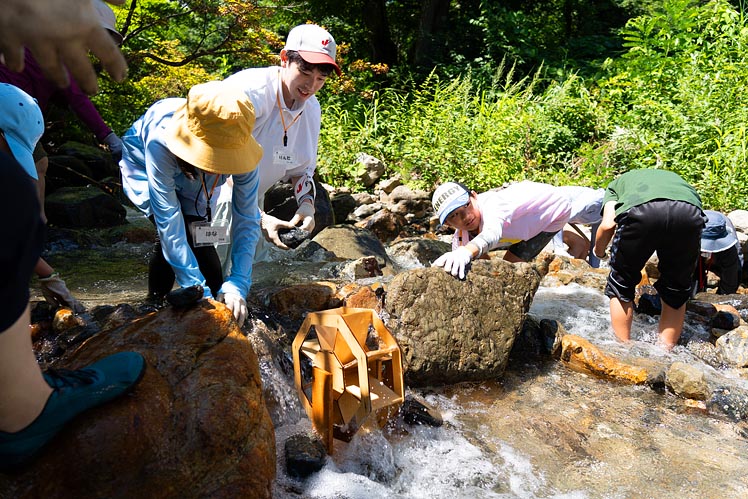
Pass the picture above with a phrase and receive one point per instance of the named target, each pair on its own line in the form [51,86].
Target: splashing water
[543,431]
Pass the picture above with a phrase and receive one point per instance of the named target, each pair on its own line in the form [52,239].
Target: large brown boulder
[195,426]
[351,243]
[452,330]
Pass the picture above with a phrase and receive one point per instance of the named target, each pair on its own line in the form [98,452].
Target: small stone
[185,297]
[687,381]
[65,320]
[415,411]
[726,318]
[729,401]
[293,237]
[305,455]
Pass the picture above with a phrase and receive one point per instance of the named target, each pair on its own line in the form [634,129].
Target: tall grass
[674,100]
[680,91]
[457,130]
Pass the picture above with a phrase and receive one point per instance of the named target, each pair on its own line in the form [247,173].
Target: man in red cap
[288,118]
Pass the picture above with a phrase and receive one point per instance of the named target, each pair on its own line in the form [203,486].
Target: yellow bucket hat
[213,130]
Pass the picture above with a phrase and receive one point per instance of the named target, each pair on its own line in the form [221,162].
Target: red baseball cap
[314,44]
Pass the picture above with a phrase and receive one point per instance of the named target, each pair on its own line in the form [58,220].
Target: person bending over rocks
[527,214]
[646,211]
[173,159]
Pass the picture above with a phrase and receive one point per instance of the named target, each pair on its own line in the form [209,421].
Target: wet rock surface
[305,454]
[195,425]
[459,330]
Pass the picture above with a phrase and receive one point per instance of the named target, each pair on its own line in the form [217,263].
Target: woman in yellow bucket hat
[175,158]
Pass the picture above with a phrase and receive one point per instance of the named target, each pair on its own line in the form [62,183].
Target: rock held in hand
[293,237]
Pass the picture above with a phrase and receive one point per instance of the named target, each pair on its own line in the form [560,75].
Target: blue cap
[718,234]
[22,124]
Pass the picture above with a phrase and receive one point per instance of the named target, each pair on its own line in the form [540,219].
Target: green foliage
[172,46]
[672,97]
[456,130]
[562,120]
[120,104]
[438,131]
[679,90]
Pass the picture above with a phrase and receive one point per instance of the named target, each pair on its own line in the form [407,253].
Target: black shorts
[23,241]
[527,250]
[673,230]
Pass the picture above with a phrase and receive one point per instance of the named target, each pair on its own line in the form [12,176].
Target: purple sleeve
[86,111]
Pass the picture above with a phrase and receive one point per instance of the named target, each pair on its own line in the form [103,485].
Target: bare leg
[671,325]
[24,390]
[43,269]
[41,184]
[621,317]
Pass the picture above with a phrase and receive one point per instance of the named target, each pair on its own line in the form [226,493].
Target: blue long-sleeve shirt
[153,181]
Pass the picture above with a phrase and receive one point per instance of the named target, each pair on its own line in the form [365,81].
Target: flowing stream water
[541,431]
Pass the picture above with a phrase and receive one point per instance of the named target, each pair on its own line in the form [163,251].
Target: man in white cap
[35,406]
[720,254]
[174,158]
[287,126]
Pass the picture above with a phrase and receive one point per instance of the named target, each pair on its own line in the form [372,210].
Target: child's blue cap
[718,234]
[22,124]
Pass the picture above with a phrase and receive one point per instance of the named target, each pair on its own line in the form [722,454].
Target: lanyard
[208,195]
[283,120]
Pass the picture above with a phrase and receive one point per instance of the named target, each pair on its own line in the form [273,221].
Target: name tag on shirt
[207,234]
[282,156]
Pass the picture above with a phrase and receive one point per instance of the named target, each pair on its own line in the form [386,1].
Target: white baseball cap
[108,20]
[22,125]
[448,197]
[314,44]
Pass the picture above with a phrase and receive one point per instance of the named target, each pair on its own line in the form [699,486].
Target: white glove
[57,293]
[237,305]
[270,226]
[114,143]
[305,213]
[455,261]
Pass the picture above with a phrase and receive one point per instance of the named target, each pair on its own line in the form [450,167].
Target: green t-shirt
[641,186]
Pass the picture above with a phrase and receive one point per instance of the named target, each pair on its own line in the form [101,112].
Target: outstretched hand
[237,305]
[56,293]
[455,262]
[60,34]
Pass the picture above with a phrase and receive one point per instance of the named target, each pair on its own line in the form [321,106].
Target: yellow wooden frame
[350,380]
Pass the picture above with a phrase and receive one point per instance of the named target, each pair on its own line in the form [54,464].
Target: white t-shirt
[263,87]
[516,213]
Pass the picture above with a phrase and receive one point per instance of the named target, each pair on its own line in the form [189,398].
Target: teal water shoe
[73,392]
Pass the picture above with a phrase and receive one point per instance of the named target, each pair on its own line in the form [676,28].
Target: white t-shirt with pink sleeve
[516,213]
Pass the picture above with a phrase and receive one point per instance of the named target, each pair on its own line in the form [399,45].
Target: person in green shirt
[646,211]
